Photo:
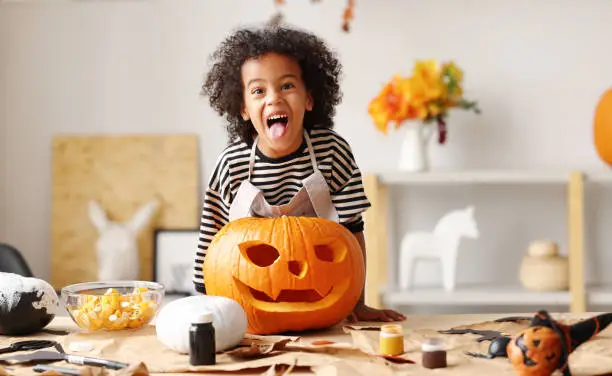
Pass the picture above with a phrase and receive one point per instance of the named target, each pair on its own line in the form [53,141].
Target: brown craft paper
[278,370]
[327,353]
[85,371]
[255,353]
[138,369]
[591,358]
[134,370]
[348,368]
[508,328]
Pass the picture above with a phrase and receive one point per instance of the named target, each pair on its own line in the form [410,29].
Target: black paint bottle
[202,340]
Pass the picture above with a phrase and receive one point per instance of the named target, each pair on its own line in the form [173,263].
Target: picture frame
[173,258]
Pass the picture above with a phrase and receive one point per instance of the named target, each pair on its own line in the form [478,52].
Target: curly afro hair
[319,65]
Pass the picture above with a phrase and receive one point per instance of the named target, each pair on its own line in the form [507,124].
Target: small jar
[391,340]
[434,353]
[202,347]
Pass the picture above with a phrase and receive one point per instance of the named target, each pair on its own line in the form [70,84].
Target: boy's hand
[364,313]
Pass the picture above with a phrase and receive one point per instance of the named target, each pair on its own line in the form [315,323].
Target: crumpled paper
[592,358]
[264,353]
[356,353]
[276,370]
[138,369]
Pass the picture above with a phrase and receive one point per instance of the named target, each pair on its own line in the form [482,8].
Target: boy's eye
[257,91]
[288,86]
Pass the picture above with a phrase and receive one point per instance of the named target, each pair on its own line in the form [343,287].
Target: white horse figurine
[442,244]
[117,246]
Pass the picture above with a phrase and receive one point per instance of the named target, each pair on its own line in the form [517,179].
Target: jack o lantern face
[288,273]
[305,277]
[536,351]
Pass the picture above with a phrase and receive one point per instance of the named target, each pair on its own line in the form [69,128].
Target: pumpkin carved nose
[298,268]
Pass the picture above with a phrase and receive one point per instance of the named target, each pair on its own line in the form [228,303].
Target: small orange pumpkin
[288,273]
[536,351]
[602,129]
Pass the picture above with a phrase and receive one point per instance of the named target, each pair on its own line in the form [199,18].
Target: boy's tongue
[278,129]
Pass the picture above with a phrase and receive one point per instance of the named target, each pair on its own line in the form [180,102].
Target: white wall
[3,127]
[537,68]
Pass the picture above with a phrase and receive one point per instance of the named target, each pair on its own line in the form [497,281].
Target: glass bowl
[112,305]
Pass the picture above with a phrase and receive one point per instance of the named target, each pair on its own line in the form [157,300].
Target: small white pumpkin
[27,304]
[174,319]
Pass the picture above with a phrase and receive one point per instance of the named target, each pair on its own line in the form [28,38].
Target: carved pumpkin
[602,131]
[536,351]
[288,273]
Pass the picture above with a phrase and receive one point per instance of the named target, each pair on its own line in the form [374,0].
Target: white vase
[414,152]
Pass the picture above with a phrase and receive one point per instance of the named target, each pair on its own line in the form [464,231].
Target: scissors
[35,344]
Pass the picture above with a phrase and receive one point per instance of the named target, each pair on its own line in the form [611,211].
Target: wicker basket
[543,269]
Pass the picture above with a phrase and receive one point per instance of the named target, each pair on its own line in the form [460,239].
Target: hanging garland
[347,15]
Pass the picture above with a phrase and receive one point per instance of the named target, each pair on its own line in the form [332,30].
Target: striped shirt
[280,179]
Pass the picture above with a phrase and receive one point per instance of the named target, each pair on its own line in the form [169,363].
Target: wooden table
[414,323]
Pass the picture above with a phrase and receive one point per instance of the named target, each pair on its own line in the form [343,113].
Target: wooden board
[121,173]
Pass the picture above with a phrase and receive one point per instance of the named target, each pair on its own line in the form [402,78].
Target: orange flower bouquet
[427,95]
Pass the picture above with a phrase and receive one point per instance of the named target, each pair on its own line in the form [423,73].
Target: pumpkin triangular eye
[332,251]
[258,253]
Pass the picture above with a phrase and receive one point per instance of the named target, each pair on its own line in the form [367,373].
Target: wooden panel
[121,173]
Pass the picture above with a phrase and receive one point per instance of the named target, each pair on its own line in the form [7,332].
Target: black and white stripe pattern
[280,179]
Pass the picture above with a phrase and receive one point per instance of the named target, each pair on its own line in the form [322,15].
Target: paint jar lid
[433,344]
[391,329]
[203,318]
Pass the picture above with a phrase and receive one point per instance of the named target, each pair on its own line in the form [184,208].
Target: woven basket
[543,269]
[543,248]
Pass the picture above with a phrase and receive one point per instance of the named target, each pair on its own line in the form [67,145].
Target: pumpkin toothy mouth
[288,296]
[291,300]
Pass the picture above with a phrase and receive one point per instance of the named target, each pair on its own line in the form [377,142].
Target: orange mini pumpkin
[602,131]
[288,273]
[536,351]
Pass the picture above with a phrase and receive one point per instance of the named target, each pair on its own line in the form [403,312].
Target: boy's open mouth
[277,124]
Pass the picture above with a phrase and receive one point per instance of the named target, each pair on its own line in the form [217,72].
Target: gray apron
[312,200]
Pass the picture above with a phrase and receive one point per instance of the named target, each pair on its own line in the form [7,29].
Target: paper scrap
[281,370]
[256,349]
[346,328]
[138,369]
[321,342]
[250,338]
[278,359]
[351,368]
[94,371]
[83,371]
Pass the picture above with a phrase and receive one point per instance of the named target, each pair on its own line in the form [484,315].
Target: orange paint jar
[391,340]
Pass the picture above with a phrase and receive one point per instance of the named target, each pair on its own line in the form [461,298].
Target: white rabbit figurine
[117,246]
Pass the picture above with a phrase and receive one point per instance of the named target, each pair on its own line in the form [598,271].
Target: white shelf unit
[486,177]
[378,294]
[464,295]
